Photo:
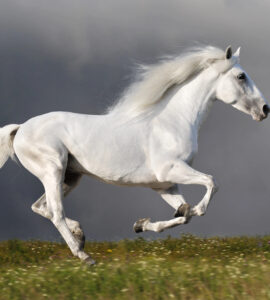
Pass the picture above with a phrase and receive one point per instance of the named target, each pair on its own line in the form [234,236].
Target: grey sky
[77,56]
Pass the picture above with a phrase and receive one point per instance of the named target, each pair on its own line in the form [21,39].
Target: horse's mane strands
[154,80]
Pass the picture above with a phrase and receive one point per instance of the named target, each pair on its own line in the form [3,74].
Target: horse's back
[98,144]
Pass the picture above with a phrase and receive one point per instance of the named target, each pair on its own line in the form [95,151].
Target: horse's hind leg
[48,161]
[70,182]
[40,206]
[52,182]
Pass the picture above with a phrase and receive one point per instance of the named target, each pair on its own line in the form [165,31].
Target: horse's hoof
[89,261]
[138,226]
[183,211]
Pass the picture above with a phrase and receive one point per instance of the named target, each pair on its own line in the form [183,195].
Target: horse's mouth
[259,118]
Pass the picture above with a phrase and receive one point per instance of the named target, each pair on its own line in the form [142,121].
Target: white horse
[149,138]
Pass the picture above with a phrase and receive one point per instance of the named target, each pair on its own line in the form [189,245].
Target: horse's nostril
[266,109]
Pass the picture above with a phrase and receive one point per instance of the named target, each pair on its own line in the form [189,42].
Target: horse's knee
[212,184]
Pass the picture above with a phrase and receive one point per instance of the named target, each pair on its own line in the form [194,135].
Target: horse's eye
[241,76]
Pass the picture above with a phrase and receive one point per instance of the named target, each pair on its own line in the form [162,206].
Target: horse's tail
[7,134]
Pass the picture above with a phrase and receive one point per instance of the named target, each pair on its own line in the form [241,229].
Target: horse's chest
[187,149]
[177,145]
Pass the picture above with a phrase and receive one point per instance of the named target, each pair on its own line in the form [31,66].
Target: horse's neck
[191,102]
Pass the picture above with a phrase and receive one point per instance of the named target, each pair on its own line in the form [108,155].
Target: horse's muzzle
[259,115]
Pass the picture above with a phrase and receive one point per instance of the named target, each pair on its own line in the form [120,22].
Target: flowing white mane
[154,80]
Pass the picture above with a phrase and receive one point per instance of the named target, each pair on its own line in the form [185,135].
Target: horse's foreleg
[176,200]
[181,173]
[147,225]
[182,212]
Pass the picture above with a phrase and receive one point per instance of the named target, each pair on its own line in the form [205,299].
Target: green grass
[185,268]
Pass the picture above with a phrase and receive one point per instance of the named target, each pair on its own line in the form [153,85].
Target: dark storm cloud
[76,56]
[82,31]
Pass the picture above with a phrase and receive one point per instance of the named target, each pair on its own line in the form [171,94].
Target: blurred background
[78,56]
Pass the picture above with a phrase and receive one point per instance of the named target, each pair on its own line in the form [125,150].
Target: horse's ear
[237,52]
[228,52]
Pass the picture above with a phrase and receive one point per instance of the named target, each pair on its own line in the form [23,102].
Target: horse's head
[235,87]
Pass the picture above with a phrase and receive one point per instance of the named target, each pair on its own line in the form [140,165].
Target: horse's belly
[118,169]
[114,159]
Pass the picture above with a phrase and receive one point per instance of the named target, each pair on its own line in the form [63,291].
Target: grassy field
[185,268]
